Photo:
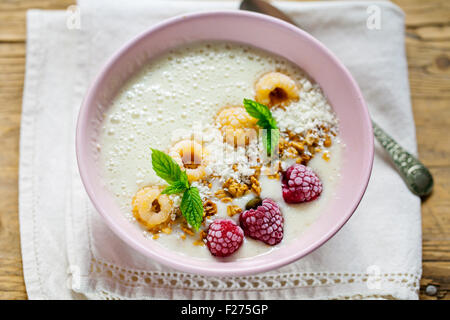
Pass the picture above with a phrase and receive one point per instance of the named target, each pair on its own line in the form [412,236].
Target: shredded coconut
[223,156]
[311,111]
[176,199]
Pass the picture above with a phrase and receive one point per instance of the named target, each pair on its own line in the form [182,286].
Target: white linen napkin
[69,253]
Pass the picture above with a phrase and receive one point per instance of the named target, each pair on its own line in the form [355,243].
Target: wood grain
[428,54]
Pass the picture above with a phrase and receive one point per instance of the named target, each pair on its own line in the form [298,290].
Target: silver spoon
[416,176]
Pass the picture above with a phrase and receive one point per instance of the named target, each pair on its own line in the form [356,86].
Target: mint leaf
[165,167]
[192,207]
[267,124]
[271,140]
[266,121]
[176,187]
[258,110]
[184,179]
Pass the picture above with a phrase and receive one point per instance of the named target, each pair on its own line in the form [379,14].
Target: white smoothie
[179,93]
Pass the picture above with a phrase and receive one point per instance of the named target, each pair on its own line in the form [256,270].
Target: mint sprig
[266,121]
[191,204]
[176,187]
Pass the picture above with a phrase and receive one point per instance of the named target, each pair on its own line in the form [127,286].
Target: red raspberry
[224,237]
[264,223]
[300,184]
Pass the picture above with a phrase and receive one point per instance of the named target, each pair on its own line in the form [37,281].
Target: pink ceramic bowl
[260,31]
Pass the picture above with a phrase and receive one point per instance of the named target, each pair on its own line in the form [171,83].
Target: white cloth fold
[69,253]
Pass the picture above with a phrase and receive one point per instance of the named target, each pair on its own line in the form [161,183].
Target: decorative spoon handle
[417,177]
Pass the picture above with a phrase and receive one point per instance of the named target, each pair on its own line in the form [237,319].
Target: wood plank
[428,52]
[436,219]
[23,5]
[8,50]
[425,13]
[434,33]
[429,66]
[432,118]
[436,274]
[12,64]
[11,279]
[12,285]
[12,26]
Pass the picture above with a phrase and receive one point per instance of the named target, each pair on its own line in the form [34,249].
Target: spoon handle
[416,176]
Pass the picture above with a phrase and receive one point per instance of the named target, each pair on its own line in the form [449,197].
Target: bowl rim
[224,270]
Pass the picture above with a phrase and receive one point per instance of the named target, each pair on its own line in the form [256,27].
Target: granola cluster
[304,147]
[233,210]
[209,208]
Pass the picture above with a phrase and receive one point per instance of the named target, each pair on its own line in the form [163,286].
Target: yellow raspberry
[275,88]
[150,207]
[191,156]
[237,125]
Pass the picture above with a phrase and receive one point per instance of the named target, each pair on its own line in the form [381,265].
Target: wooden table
[428,51]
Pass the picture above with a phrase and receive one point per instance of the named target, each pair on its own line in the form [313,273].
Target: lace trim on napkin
[186,281]
[105,295]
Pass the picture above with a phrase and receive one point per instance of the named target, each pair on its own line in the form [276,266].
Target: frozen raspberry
[265,223]
[224,237]
[300,184]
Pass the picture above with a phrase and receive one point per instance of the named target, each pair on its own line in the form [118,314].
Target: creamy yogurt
[182,91]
